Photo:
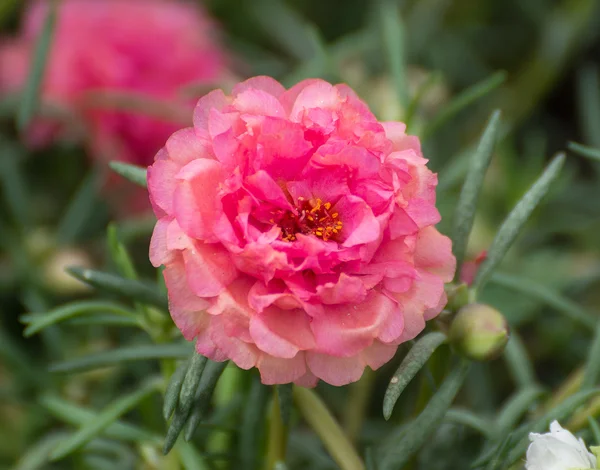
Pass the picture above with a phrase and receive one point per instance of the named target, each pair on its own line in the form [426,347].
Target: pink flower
[106,51]
[297,232]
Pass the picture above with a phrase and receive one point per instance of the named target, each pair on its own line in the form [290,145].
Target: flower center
[313,217]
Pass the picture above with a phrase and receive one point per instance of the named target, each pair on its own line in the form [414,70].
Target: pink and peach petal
[345,330]
[378,354]
[360,225]
[281,333]
[433,252]
[216,99]
[259,102]
[308,380]
[195,199]
[187,310]
[159,252]
[263,83]
[276,370]
[345,289]
[336,371]
[184,146]
[162,183]
[208,268]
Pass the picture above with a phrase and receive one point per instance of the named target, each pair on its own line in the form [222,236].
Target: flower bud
[479,332]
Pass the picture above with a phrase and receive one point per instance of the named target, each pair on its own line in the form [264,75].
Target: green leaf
[105,319]
[41,321]
[394,46]
[210,377]
[318,416]
[518,362]
[173,390]
[119,356]
[36,457]
[595,429]
[592,366]
[13,185]
[78,415]
[285,398]
[175,427]
[135,174]
[584,151]
[191,381]
[462,100]
[110,414]
[128,288]
[401,446]
[588,104]
[77,214]
[559,413]
[191,458]
[31,93]
[119,253]
[547,295]
[286,28]
[416,358]
[515,221]
[516,407]
[471,420]
[464,213]
[252,426]
[500,455]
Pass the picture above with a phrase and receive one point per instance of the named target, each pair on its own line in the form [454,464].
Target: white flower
[558,450]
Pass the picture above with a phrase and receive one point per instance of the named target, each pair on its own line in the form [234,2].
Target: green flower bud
[479,332]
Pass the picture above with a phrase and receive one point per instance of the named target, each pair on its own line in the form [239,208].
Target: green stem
[278,435]
[358,401]
[327,428]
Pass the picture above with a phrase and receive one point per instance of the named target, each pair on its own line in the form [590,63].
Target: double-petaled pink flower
[297,232]
[106,58]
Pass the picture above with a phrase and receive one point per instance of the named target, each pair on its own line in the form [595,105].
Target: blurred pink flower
[110,53]
[297,232]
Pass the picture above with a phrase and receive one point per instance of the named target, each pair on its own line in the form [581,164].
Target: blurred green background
[442,65]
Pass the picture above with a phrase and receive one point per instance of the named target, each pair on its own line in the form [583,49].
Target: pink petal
[186,309]
[360,225]
[318,94]
[281,333]
[276,370]
[262,103]
[288,98]
[216,99]
[282,149]
[275,293]
[308,380]
[264,188]
[345,289]
[336,371]
[162,184]
[422,212]
[401,224]
[159,253]
[195,202]
[378,354]
[345,330]
[209,269]
[263,83]
[184,146]
[426,294]
[245,355]
[433,252]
